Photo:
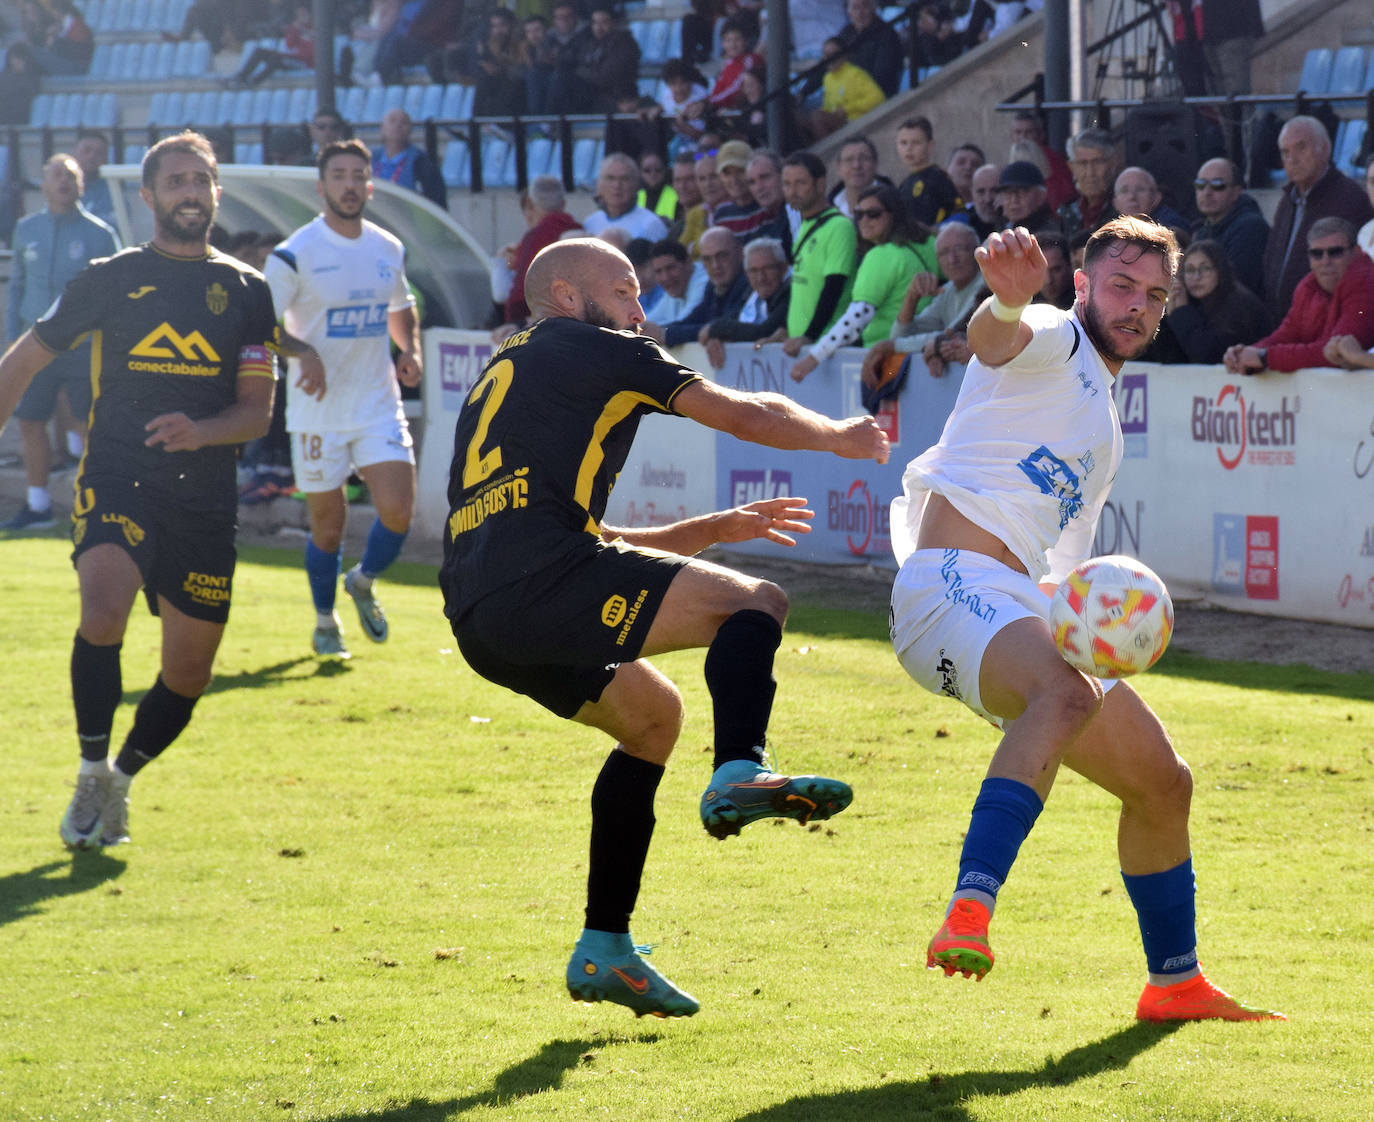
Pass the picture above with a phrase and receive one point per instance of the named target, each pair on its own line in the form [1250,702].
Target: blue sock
[322,570]
[1003,815]
[1165,907]
[383,547]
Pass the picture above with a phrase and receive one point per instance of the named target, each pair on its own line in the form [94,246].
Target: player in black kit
[547,601]
[182,373]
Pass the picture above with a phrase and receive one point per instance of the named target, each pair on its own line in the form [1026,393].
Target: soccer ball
[1111,617]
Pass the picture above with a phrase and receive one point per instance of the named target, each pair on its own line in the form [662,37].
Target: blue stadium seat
[40,110]
[170,112]
[393,97]
[66,111]
[100,62]
[456,166]
[1347,71]
[4,162]
[132,70]
[279,106]
[248,152]
[659,46]
[587,153]
[1368,83]
[1349,138]
[351,104]
[152,16]
[372,104]
[134,153]
[538,153]
[430,103]
[1316,70]
[410,101]
[261,109]
[457,104]
[181,59]
[99,111]
[498,162]
[639,31]
[302,106]
[193,107]
[221,112]
[241,109]
[157,107]
[92,11]
[648,87]
[114,68]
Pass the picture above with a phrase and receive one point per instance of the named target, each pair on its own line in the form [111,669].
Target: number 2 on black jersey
[477,465]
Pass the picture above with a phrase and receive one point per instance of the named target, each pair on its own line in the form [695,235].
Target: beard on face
[597,316]
[193,230]
[340,208]
[1099,333]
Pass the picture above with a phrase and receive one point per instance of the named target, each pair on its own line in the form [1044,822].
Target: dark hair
[814,165]
[84,133]
[969,146]
[680,69]
[1144,234]
[905,229]
[352,147]
[922,123]
[193,143]
[639,251]
[1215,252]
[860,138]
[733,24]
[668,247]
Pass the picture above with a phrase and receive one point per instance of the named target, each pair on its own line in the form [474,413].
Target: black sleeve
[826,306]
[430,181]
[79,309]
[733,331]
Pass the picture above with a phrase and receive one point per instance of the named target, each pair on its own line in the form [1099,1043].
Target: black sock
[622,824]
[96,692]
[739,674]
[161,716]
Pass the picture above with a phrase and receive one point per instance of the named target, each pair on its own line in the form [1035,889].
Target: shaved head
[586,279]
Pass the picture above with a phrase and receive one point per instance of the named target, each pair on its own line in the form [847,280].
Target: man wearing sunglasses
[1335,298]
[1231,217]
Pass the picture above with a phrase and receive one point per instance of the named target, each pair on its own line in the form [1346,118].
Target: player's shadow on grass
[941,1098]
[278,673]
[544,1071]
[22,894]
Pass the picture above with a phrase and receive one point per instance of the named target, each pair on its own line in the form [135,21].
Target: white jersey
[1029,452]
[336,293]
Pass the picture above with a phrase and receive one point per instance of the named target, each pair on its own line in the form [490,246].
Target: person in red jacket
[1335,298]
[542,203]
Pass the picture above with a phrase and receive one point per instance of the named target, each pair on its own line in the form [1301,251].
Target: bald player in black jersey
[182,373]
[546,600]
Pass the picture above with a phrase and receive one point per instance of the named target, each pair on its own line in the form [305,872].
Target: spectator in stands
[1335,298]
[299,36]
[419,26]
[765,184]
[1027,126]
[737,49]
[288,146]
[873,46]
[963,162]
[607,65]
[749,121]
[327,126]
[684,100]
[726,291]
[221,23]
[495,64]
[538,61]
[850,92]
[893,249]
[740,213]
[982,214]
[50,247]
[710,184]
[1058,288]
[929,194]
[699,30]
[1136,191]
[1232,218]
[765,311]
[681,283]
[688,194]
[1316,189]
[1209,311]
[543,205]
[858,161]
[1230,29]
[1366,235]
[617,188]
[1345,353]
[91,153]
[655,192]
[568,35]
[1022,199]
[66,45]
[405,164]
[937,40]
[935,333]
[1094,161]
[19,83]
[824,253]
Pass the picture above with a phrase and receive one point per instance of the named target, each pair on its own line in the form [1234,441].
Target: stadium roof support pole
[322,12]
[778,74]
[1063,50]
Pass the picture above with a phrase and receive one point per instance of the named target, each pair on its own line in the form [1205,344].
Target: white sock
[39,499]
[75,445]
[328,620]
[361,581]
[95,767]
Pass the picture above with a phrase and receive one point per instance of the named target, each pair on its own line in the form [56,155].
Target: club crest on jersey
[217,299]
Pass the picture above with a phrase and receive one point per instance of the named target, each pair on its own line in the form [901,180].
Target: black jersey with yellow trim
[166,333]
[539,443]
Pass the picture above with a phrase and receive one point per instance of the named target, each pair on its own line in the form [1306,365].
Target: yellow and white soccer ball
[1112,617]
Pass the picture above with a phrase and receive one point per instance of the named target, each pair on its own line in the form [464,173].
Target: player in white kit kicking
[339,283]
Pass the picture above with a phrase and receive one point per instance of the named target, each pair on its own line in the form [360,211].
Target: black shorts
[186,556]
[558,636]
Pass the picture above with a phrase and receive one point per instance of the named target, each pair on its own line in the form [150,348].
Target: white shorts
[947,604]
[322,461]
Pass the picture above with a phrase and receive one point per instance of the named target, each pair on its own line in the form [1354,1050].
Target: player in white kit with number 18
[339,283]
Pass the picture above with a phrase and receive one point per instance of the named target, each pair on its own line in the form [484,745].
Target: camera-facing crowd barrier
[1255,494]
